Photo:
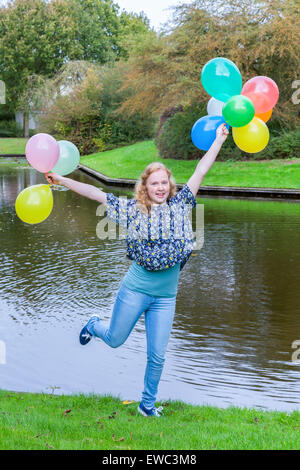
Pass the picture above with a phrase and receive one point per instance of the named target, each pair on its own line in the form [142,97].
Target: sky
[157,11]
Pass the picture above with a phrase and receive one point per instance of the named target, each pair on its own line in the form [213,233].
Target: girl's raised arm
[86,190]
[207,160]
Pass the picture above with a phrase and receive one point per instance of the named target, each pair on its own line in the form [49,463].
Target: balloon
[238,111]
[221,78]
[251,138]
[69,158]
[265,116]
[34,204]
[214,107]
[42,152]
[204,131]
[263,92]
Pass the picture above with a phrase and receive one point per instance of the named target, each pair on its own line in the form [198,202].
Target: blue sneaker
[150,412]
[85,336]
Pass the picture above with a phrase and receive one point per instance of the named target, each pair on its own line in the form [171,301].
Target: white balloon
[214,107]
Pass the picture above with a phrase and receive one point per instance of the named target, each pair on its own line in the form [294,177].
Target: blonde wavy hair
[141,193]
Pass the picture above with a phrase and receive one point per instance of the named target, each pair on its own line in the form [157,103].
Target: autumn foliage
[261,38]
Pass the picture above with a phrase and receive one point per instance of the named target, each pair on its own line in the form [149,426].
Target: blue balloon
[204,131]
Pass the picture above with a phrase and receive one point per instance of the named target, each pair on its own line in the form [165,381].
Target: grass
[43,421]
[12,145]
[129,162]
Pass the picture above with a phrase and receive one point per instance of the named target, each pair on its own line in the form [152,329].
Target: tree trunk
[26,124]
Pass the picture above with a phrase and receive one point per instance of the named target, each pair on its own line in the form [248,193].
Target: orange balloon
[265,116]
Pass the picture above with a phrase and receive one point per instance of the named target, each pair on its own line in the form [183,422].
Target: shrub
[129,129]
[6,114]
[174,138]
[88,115]
[174,133]
[10,129]
[167,114]
[284,145]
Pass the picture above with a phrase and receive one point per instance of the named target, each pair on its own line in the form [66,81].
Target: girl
[159,249]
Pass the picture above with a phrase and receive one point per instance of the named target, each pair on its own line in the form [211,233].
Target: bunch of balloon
[35,203]
[245,108]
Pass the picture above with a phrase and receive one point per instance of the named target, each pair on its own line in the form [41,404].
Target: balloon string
[49,184]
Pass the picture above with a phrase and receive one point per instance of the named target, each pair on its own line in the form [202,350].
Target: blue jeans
[159,314]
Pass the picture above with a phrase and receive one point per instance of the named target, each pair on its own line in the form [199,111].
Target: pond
[237,310]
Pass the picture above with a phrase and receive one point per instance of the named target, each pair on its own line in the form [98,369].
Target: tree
[262,38]
[102,30]
[79,104]
[38,37]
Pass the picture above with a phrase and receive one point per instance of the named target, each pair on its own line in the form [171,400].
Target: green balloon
[69,158]
[238,111]
[221,78]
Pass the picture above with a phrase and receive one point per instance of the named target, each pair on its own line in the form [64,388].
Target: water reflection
[237,310]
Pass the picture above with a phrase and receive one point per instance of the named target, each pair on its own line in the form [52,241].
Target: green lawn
[40,421]
[12,145]
[129,162]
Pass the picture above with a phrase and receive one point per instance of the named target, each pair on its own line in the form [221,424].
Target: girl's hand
[222,133]
[54,178]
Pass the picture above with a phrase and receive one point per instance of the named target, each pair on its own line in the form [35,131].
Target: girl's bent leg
[158,321]
[128,308]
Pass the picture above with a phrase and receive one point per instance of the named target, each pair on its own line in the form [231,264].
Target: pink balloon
[42,152]
[263,92]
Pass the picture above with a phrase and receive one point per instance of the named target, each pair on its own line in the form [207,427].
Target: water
[237,311]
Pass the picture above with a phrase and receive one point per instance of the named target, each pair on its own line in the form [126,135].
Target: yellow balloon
[253,137]
[34,204]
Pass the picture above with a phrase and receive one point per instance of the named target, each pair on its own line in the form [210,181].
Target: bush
[167,114]
[85,135]
[128,130]
[10,129]
[174,133]
[6,114]
[285,145]
[174,138]
[89,117]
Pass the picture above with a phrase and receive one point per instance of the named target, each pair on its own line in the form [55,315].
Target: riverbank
[49,421]
[129,162]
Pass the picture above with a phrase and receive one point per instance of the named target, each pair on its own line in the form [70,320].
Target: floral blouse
[158,240]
